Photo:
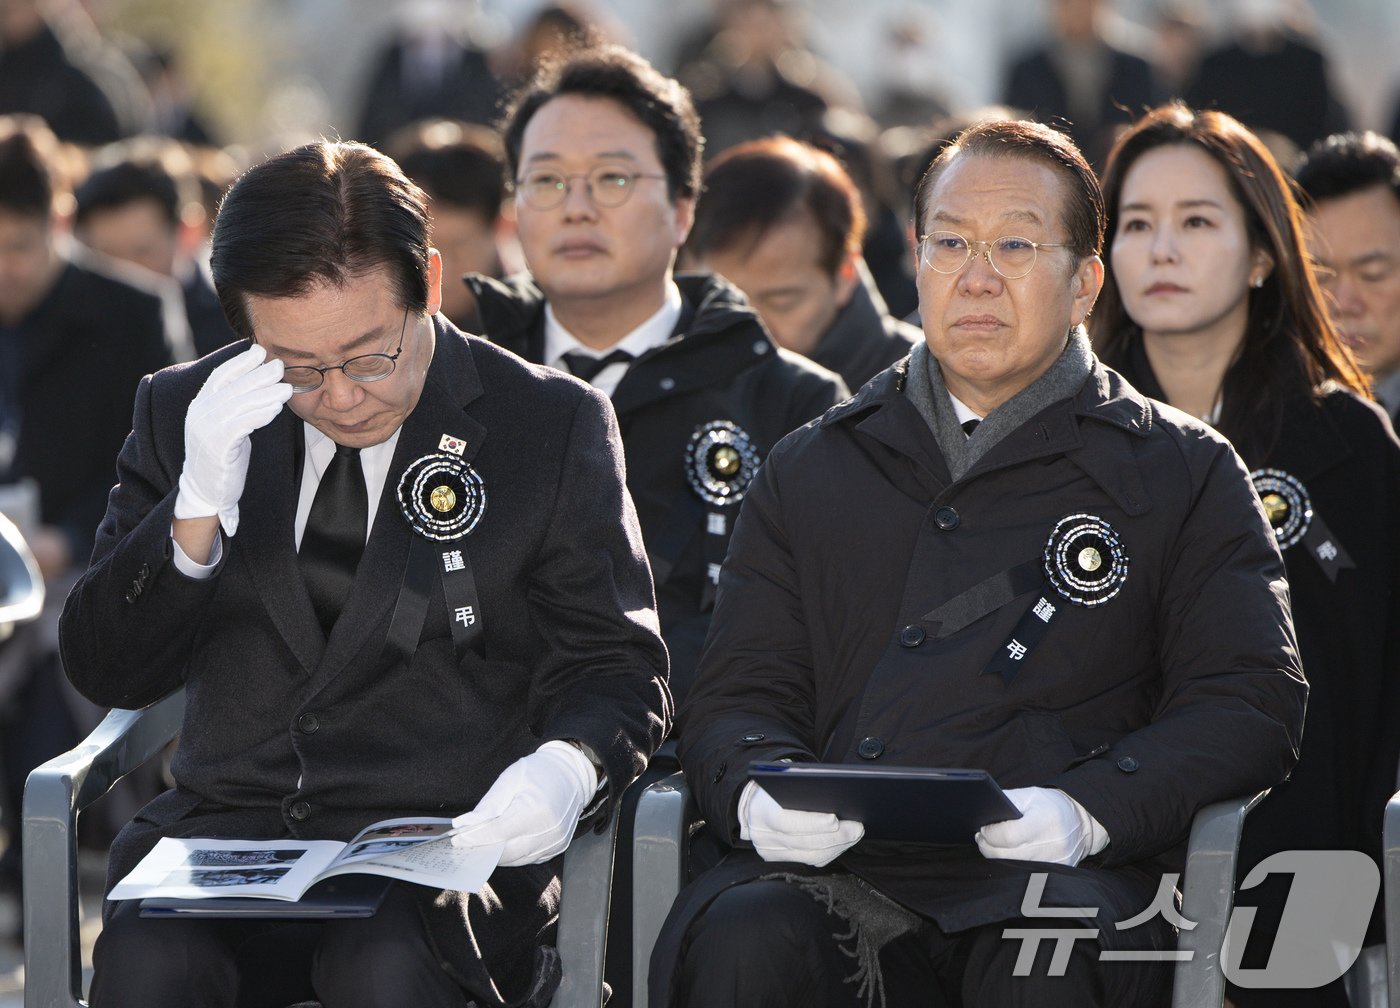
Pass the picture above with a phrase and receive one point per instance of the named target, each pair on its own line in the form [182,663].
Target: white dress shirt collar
[652,333]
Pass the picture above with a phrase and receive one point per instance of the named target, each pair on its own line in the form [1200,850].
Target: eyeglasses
[1012,257]
[371,367]
[608,186]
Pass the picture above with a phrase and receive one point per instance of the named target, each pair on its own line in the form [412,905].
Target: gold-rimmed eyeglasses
[1011,256]
[608,185]
[364,368]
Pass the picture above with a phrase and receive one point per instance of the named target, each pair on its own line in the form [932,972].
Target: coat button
[667,384]
[301,810]
[719,773]
[870,748]
[946,518]
[755,737]
[308,723]
[1128,764]
[912,635]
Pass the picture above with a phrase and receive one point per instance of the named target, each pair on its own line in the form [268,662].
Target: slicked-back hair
[658,102]
[27,183]
[326,212]
[753,187]
[1035,142]
[1345,163]
[1290,348]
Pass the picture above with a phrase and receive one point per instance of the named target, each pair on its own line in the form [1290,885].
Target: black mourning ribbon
[587,367]
[334,536]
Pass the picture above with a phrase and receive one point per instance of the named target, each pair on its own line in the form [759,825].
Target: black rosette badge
[442,497]
[1085,560]
[1286,503]
[720,461]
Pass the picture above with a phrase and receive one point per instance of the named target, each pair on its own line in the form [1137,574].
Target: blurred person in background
[73,345]
[1211,306]
[140,205]
[1178,42]
[1353,183]
[462,168]
[174,106]
[783,222]
[54,64]
[757,77]
[1082,79]
[1272,74]
[431,67]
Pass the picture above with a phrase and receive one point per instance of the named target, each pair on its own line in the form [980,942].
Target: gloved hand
[1053,827]
[779,834]
[241,395]
[533,807]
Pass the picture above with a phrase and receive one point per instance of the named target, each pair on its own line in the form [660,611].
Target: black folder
[939,806]
[355,895]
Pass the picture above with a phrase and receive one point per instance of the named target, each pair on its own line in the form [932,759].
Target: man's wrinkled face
[331,324]
[1355,240]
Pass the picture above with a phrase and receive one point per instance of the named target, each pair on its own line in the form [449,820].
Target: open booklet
[411,850]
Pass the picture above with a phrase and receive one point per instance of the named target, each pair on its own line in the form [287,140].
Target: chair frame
[666,810]
[57,791]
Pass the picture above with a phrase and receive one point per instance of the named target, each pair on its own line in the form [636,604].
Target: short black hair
[461,165]
[752,187]
[326,212]
[143,169]
[1344,163]
[1030,141]
[27,177]
[658,102]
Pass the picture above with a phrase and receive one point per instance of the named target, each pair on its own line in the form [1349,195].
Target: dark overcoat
[1344,455]
[719,365]
[847,630]
[290,734]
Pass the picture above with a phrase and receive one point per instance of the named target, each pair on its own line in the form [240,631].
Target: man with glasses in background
[605,154]
[999,556]
[398,574]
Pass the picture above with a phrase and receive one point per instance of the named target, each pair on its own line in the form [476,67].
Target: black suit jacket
[290,734]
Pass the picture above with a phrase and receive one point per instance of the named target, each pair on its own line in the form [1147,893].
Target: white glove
[241,395]
[1053,828]
[533,808]
[779,834]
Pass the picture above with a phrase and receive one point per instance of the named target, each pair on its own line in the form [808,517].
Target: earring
[1256,282]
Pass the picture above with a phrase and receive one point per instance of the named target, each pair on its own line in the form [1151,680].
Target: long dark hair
[1290,350]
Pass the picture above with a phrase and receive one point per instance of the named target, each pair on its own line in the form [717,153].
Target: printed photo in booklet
[293,878]
[925,805]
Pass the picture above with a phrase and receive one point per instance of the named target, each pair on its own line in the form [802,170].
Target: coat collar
[717,337]
[882,410]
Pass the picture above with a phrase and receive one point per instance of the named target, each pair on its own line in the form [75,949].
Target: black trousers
[768,944]
[370,962]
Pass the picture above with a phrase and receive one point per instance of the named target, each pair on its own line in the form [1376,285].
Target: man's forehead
[980,190]
[1369,217]
[585,127]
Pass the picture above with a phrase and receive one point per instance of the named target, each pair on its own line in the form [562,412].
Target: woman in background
[1211,306]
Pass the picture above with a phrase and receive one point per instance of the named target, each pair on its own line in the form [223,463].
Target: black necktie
[586,366]
[969,426]
[334,536]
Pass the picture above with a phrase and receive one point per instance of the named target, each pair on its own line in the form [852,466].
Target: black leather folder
[940,806]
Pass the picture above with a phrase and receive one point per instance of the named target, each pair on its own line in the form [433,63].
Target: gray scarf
[930,397]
